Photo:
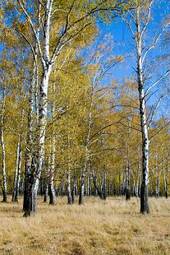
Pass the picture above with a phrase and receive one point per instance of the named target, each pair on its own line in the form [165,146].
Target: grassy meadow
[112,227]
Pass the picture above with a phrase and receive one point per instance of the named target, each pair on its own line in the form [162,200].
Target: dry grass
[114,227]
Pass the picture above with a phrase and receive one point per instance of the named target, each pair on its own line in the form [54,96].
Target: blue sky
[124,45]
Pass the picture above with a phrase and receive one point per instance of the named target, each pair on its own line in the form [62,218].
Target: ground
[112,227]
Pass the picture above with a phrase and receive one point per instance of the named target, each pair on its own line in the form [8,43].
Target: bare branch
[125,105]
[61,44]
[148,18]
[68,15]
[163,76]
[155,41]
[129,26]
[27,41]
[153,111]
[162,128]
[21,4]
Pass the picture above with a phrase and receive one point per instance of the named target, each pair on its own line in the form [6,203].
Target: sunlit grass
[112,227]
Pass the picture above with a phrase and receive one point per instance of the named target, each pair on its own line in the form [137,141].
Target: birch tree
[17,171]
[48,51]
[138,25]
[3,150]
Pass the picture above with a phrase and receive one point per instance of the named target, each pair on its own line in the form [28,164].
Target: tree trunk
[3,153]
[98,192]
[52,194]
[127,189]
[143,119]
[29,161]
[165,185]
[157,185]
[45,192]
[69,196]
[4,175]
[120,189]
[74,189]
[87,151]
[81,193]
[30,190]
[33,173]
[89,185]
[157,178]
[104,187]
[17,172]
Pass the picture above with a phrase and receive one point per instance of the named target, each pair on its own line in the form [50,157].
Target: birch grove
[69,126]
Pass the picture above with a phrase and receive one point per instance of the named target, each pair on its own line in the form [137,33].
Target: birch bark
[144,206]
[17,172]
[29,160]
[43,100]
[69,196]
[3,152]
[52,194]
[87,151]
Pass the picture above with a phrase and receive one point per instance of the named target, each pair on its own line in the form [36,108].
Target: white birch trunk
[165,185]
[4,175]
[128,195]
[157,177]
[88,185]
[104,186]
[34,166]
[46,192]
[87,151]
[143,118]
[41,139]
[29,154]
[52,194]
[17,172]
[74,189]
[82,184]
[3,153]
[43,103]
[69,197]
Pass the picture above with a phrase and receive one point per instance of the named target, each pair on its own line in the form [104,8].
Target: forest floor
[112,227]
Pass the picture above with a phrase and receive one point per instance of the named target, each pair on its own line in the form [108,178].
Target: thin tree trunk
[52,194]
[165,185]
[45,192]
[81,193]
[62,188]
[157,177]
[3,153]
[69,196]
[88,185]
[127,189]
[17,172]
[74,190]
[87,151]
[98,192]
[29,179]
[4,175]
[120,189]
[144,206]
[139,172]
[104,187]
[33,172]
